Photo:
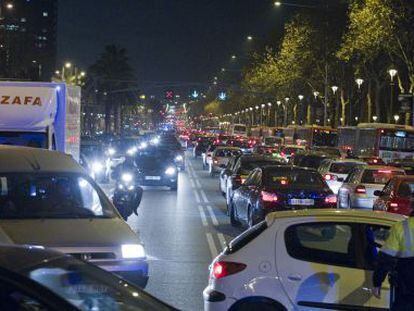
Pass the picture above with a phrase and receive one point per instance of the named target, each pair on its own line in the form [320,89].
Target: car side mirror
[378,193]
[128,203]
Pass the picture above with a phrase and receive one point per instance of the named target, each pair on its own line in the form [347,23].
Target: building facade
[28,43]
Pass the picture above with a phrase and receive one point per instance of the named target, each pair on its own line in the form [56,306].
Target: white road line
[212,215]
[203,194]
[222,240]
[197,196]
[203,216]
[198,183]
[211,245]
[192,183]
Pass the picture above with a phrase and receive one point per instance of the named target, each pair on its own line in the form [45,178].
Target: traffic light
[169,95]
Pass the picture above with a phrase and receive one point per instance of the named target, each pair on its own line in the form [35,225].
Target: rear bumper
[362,203]
[215,300]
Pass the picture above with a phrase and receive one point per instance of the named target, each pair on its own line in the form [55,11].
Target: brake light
[360,190]
[384,171]
[282,154]
[215,161]
[243,180]
[331,199]
[393,204]
[269,197]
[222,269]
[329,177]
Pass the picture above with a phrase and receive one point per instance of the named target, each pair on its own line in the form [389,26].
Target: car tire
[233,221]
[259,303]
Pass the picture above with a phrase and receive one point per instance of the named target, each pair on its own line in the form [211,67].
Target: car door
[318,267]
[243,194]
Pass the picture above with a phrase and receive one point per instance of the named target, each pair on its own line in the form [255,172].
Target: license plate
[152,177]
[305,202]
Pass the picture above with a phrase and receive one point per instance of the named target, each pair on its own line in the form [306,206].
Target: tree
[112,75]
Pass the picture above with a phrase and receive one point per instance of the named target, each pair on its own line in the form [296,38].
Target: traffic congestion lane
[182,232]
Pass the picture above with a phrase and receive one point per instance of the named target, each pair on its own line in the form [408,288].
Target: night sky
[167,40]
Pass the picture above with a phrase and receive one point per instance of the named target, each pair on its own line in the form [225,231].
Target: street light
[396,118]
[249,38]
[316,94]
[359,82]
[9,6]
[277,4]
[392,73]
[334,89]
[374,118]
[233,57]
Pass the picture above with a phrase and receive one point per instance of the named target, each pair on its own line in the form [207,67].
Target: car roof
[18,258]
[288,167]
[227,148]
[383,167]
[335,214]
[23,159]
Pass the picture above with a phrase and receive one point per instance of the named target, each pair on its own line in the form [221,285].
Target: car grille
[93,256]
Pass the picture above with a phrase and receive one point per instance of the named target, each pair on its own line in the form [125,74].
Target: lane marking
[192,183]
[222,240]
[197,196]
[198,183]
[212,215]
[203,216]
[203,194]
[211,245]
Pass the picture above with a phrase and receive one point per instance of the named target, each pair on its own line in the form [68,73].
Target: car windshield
[294,178]
[88,288]
[227,153]
[25,139]
[342,168]
[378,176]
[51,196]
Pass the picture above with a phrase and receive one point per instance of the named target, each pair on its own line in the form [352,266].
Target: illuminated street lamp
[316,94]
[396,118]
[359,82]
[249,38]
[392,73]
[334,89]
[9,6]
[374,118]
[277,4]
[233,57]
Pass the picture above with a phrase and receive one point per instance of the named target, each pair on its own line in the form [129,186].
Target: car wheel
[233,220]
[262,304]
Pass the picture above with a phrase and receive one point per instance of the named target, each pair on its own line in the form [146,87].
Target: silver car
[48,200]
[360,185]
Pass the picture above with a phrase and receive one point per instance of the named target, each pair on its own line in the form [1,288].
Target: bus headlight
[130,251]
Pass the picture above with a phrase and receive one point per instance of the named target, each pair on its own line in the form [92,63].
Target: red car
[397,196]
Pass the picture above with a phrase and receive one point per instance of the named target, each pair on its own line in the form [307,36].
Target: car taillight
[269,197]
[215,161]
[329,177]
[331,199]
[360,189]
[282,154]
[222,269]
[400,203]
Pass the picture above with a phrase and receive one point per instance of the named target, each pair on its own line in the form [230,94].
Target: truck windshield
[51,196]
[25,139]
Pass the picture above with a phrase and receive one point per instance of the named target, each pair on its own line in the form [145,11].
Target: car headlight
[130,251]
[143,145]
[111,151]
[170,170]
[126,177]
[97,167]
[132,151]
[155,141]
[179,158]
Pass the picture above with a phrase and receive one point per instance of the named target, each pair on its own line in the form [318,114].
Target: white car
[48,200]
[302,260]
[336,171]
[358,189]
[221,157]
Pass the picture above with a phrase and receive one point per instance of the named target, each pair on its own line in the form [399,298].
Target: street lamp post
[286,121]
[269,106]
[359,82]
[392,73]
[252,115]
[300,97]
[334,91]
[257,119]
[278,103]
[262,106]
[316,95]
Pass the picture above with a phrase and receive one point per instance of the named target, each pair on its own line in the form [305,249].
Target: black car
[36,279]
[237,171]
[173,146]
[156,167]
[201,147]
[277,188]
[311,160]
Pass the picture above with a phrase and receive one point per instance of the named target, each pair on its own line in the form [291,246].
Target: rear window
[227,153]
[245,238]
[378,176]
[342,168]
[297,178]
[311,161]
[406,189]
[249,166]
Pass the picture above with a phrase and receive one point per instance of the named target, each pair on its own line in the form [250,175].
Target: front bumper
[134,271]
[164,181]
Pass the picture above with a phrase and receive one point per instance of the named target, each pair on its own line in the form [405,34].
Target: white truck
[41,114]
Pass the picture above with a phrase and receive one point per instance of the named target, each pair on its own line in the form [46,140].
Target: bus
[237,130]
[386,141]
[311,136]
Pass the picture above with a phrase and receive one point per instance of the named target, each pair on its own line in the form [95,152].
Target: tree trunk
[117,117]
[369,102]
[108,110]
[378,100]
[343,108]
